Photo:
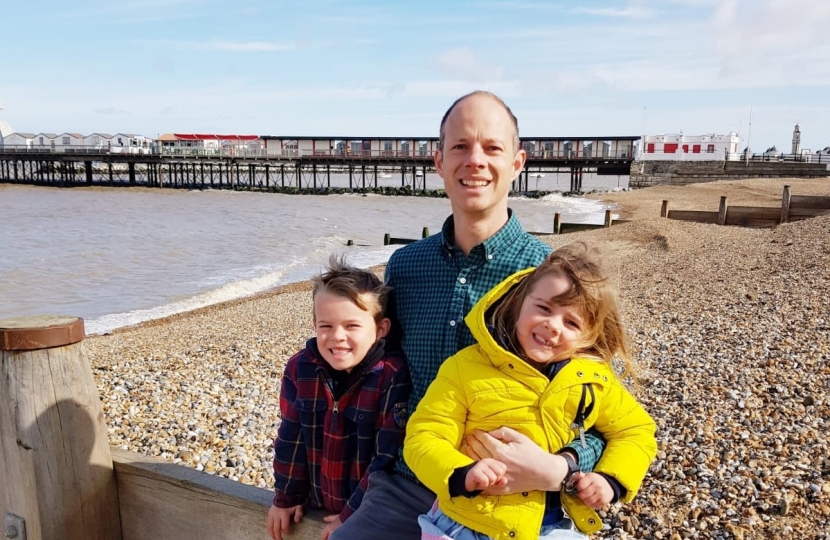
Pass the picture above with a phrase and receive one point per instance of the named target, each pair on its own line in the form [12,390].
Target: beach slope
[732,332]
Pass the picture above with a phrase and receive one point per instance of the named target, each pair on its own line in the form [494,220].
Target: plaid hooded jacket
[327,446]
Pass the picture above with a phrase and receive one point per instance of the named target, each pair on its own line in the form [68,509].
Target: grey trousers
[389,510]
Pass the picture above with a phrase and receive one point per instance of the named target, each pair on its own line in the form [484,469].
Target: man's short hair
[362,287]
[497,100]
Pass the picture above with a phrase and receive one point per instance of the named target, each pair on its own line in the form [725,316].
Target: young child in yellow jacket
[546,338]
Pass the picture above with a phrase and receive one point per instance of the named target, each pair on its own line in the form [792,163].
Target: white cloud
[772,35]
[463,64]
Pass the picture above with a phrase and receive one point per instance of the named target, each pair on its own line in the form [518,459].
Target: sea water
[119,256]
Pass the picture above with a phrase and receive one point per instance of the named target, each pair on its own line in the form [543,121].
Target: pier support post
[55,460]
[88,170]
[131,167]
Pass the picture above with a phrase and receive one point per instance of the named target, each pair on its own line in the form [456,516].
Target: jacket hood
[497,355]
[477,324]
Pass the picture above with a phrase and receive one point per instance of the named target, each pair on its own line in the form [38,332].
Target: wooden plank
[753,222]
[804,213]
[164,501]
[810,201]
[693,215]
[574,227]
[735,215]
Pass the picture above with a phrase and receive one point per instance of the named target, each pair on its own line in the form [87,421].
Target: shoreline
[731,333]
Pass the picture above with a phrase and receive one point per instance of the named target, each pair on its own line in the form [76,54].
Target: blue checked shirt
[434,286]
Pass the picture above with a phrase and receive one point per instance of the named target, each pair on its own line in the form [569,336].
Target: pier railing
[233,151]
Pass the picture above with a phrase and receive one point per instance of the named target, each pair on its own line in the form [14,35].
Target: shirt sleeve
[390,430]
[588,457]
[290,466]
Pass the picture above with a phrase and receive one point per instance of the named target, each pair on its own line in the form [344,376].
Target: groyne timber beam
[61,480]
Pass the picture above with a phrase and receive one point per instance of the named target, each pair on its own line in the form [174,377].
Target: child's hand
[487,472]
[332,524]
[279,520]
[594,490]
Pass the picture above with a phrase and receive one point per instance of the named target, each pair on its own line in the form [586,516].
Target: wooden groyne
[61,480]
[793,208]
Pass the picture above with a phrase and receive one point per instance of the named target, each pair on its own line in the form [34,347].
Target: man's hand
[529,468]
[594,490]
[279,520]
[332,524]
[485,473]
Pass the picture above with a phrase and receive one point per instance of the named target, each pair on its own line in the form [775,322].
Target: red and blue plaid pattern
[325,450]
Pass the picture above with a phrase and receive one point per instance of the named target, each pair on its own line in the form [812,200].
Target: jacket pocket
[362,420]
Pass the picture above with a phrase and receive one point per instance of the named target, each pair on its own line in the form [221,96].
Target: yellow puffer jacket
[485,387]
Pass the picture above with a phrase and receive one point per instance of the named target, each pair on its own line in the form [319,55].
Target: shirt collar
[504,237]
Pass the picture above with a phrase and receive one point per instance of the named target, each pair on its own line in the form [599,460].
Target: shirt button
[512,534]
[490,257]
[463,281]
[452,323]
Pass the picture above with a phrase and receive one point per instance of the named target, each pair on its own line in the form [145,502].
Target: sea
[121,256]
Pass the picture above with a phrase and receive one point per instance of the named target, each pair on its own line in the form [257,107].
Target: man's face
[478,160]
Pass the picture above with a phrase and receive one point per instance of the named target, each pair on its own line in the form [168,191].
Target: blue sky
[365,68]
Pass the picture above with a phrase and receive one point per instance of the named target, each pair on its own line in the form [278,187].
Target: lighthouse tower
[796,140]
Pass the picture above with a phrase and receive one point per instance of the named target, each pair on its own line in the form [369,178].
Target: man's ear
[438,158]
[383,327]
[519,162]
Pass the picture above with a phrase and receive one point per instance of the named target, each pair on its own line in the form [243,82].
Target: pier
[300,164]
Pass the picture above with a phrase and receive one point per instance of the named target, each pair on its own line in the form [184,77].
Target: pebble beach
[731,329]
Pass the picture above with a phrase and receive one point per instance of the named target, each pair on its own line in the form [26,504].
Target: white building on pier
[680,147]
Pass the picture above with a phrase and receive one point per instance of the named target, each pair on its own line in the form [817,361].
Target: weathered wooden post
[785,205]
[55,462]
[664,209]
[557,222]
[609,218]
[722,211]
[425,232]
[387,239]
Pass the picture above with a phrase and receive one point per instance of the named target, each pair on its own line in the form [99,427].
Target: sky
[381,68]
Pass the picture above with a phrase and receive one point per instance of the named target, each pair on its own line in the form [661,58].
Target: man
[434,284]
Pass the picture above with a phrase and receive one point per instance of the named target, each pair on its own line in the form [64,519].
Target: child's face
[547,331]
[345,333]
